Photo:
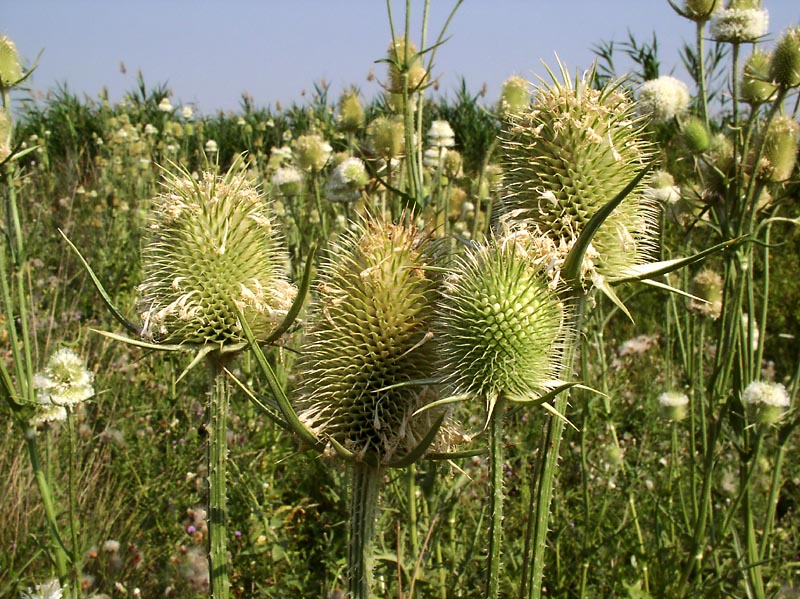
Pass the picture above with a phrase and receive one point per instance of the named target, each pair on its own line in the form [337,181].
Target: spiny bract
[214,250]
[501,324]
[371,330]
[568,155]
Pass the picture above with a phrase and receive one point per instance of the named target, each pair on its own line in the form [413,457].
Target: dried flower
[663,99]
[214,252]
[65,380]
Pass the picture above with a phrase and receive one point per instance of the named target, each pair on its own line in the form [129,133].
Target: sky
[210,53]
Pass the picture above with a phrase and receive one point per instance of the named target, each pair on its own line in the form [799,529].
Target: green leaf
[297,305]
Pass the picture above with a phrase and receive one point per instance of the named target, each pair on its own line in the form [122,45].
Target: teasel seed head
[370,336]
[311,152]
[351,112]
[784,69]
[568,155]
[501,325]
[405,59]
[741,21]
[708,287]
[514,95]
[10,67]
[214,251]
[695,135]
[699,10]
[780,149]
[386,137]
[757,86]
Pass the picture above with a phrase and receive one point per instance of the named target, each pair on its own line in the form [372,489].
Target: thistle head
[369,339]
[347,180]
[65,381]
[311,152]
[784,68]
[757,86]
[351,112]
[766,402]
[214,252]
[405,62]
[10,67]
[386,137]
[514,95]
[741,21]
[501,324]
[663,99]
[779,157]
[568,155]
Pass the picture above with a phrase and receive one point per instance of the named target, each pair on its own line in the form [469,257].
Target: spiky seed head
[708,287]
[784,69]
[311,152]
[663,99]
[500,324]
[780,149]
[347,180]
[214,251]
[757,86]
[351,112]
[10,67]
[386,136]
[370,331]
[695,135]
[405,59]
[452,164]
[514,95]
[288,180]
[571,153]
[700,10]
[742,21]
[766,402]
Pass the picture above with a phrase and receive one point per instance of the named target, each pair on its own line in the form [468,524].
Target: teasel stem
[411,491]
[366,481]
[47,502]
[754,577]
[772,501]
[73,504]
[701,69]
[496,507]
[217,487]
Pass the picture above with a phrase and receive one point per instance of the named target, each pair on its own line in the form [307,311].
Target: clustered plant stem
[366,482]
[496,458]
[219,399]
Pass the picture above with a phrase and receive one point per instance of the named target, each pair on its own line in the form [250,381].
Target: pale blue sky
[211,52]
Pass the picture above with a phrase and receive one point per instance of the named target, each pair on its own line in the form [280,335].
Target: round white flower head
[347,180]
[150,129]
[65,381]
[49,413]
[739,24]
[441,135]
[431,158]
[663,188]
[186,112]
[766,402]
[49,590]
[165,105]
[288,180]
[211,146]
[311,152]
[674,405]
[664,98]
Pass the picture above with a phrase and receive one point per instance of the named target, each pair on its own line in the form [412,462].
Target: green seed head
[708,287]
[757,87]
[405,60]
[386,137]
[514,95]
[214,251]
[695,135]
[784,69]
[700,10]
[10,68]
[351,112]
[567,156]
[371,331]
[780,149]
[311,152]
[500,324]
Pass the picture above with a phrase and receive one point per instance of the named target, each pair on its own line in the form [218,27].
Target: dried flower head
[663,99]
[501,325]
[739,22]
[347,180]
[370,338]
[568,155]
[214,251]
[65,380]
[784,68]
[767,402]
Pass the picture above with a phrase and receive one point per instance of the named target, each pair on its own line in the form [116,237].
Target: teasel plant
[18,384]
[367,368]
[213,267]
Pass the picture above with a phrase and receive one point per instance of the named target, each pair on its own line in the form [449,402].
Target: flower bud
[351,112]
[674,405]
[766,402]
[780,149]
[707,286]
[785,67]
[695,135]
[514,96]
[757,87]
[10,68]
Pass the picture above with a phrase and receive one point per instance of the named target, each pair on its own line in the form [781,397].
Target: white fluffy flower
[288,180]
[441,135]
[673,399]
[739,24]
[347,180]
[664,98]
[49,590]
[65,381]
[767,394]
[165,105]
[211,146]
[431,158]
[186,112]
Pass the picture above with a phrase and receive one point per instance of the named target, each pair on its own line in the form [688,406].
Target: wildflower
[351,112]
[214,252]
[165,105]
[663,99]
[405,67]
[150,129]
[514,95]
[441,135]
[785,65]
[707,287]
[431,157]
[10,67]
[347,180]
[663,188]
[757,86]
[49,590]
[65,380]
[111,546]
[211,147]
[187,112]
[674,405]
[288,180]
[311,152]
[767,402]
[741,21]
[781,140]
[371,333]
[386,137]
[500,326]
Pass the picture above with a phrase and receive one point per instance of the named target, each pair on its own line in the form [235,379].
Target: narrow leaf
[297,305]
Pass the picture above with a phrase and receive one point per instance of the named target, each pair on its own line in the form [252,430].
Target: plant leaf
[297,305]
